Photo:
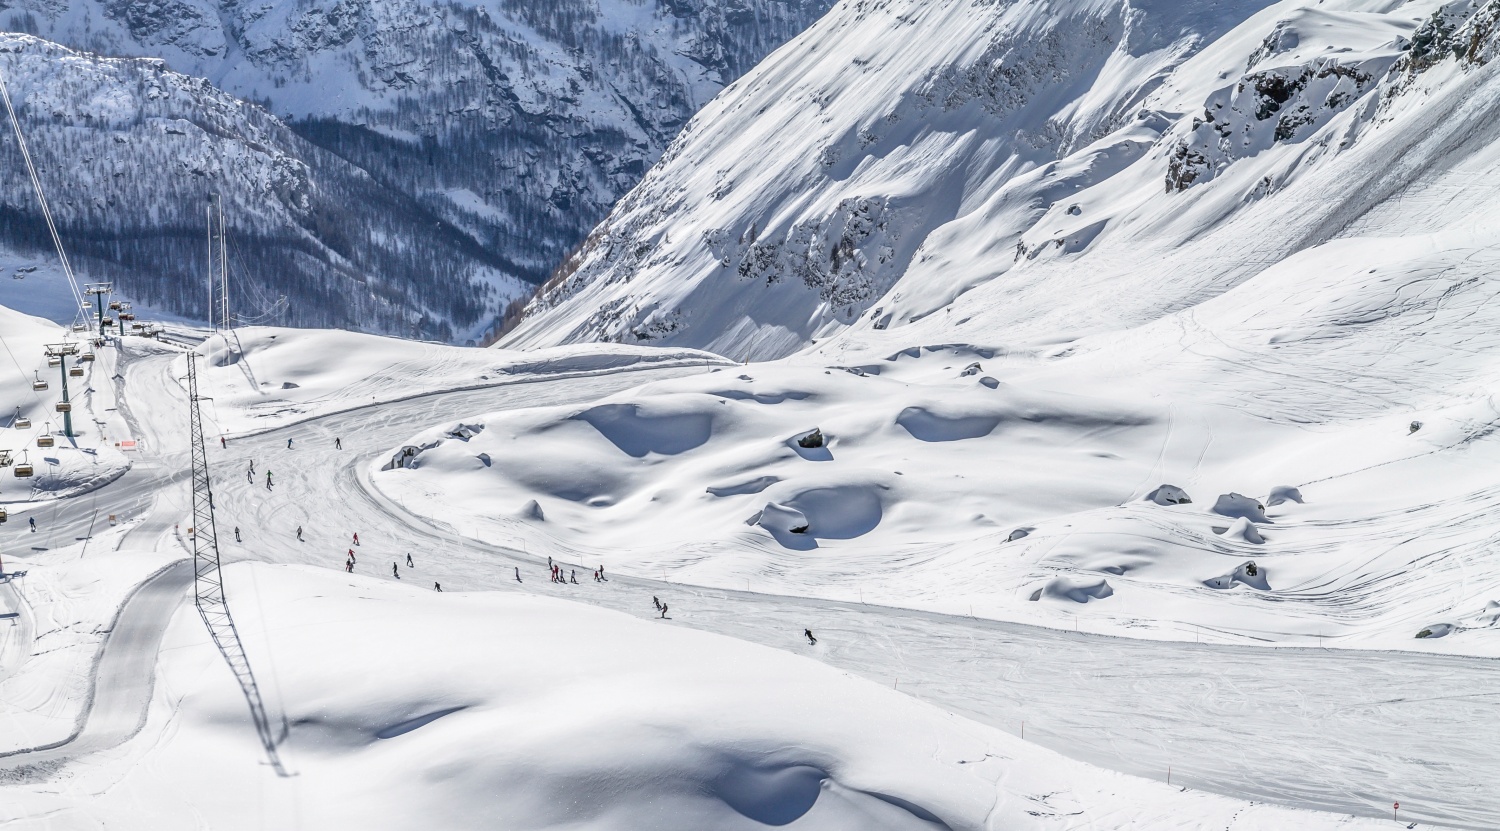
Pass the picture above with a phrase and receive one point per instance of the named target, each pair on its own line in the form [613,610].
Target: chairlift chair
[3,515]
[45,440]
[114,305]
[21,423]
[80,327]
[39,385]
[54,361]
[87,357]
[23,470]
[64,407]
[75,372]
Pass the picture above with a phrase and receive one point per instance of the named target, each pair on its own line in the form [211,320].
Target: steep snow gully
[1334,730]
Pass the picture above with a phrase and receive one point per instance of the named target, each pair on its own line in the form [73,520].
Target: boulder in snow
[1169,495]
[1238,505]
[1283,493]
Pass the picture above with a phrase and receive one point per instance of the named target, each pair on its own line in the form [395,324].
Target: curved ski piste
[1334,730]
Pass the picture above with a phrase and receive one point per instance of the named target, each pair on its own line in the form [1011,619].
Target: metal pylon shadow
[208,582]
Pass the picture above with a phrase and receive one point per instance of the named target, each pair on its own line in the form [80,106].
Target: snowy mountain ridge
[897,156]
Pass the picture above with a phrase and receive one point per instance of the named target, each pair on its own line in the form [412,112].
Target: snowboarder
[32,520]
[408,561]
[602,578]
[549,563]
[573,574]
[299,533]
[237,533]
[356,538]
[656,603]
[810,639]
[288,444]
[338,443]
[396,570]
[437,586]
[663,611]
[349,566]
[252,467]
[518,574]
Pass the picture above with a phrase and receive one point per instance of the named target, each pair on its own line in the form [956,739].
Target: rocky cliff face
[514,124]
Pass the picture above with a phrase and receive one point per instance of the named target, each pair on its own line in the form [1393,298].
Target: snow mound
[1076,589]
[1242,530]
[1282,494]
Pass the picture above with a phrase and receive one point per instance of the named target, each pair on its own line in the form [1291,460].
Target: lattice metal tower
[208,584]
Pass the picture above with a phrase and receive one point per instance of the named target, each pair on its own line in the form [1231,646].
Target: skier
[288,444]
[349,566]
[222,443]
[663,611]
[596,575]
[810,639]
[656,603]
[299,533]
[338,443]
[574,574]
[268,480]
[252,467]
[518,574]
[396,571]
[237,533]
[351,556]
[549,563]
[602,578]
[437,586]
[32,520]
[356,538]
[408,561]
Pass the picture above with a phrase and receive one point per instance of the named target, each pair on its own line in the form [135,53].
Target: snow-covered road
[1337,730]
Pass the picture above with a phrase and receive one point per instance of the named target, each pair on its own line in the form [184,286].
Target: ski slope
[1133,705]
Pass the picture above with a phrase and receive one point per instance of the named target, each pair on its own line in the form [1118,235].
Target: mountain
[513,126]
[129,152]
[918,172]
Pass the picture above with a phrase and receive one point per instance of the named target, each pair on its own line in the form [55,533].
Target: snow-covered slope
[897,157]
[513,124]
[1247,253]
[547,714]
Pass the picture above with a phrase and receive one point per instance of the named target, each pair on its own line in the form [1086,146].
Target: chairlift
[75,372]
[80,327]
[114,305]
[19,422]
[64,407]
[45,440]
[87,357]
[39,385]
[3,514]
[127,315]
[23,470]
[54,361]
[136,327]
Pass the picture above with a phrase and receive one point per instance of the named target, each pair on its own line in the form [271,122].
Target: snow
[598,720]
[265,377]
[70,466]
